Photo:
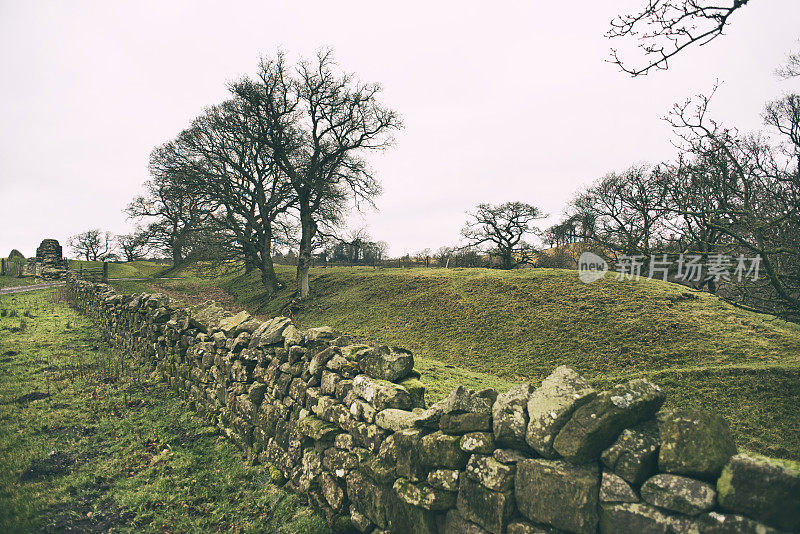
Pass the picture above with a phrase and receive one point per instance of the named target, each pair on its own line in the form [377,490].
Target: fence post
[105,272]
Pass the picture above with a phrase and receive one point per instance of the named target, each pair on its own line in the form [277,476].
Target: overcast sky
[501,100]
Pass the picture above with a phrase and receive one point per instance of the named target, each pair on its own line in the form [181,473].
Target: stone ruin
[346,427]
[49,263]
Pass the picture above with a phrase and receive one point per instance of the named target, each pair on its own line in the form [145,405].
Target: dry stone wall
[347,427]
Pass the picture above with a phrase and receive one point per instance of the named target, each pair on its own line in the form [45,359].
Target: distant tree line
[726,195]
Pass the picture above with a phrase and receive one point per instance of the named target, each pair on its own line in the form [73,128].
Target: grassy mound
[492,328]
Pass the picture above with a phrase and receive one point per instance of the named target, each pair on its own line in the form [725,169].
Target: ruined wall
[347,427]
[49,263]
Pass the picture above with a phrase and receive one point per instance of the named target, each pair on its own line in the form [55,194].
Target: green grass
[91,441]
[135,269]
[492,328]
[13,281]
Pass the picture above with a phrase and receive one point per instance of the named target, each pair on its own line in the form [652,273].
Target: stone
[322,333]
[442,450]
[634,456]
[456,524]
[460,423]
[406,453]
[477,442]
[407,518]
[359,521]
[241,342]
[597,424]
[694,443]
[518,526]
[332,491]
[489,509]
[208,316]
[317,429]
[385,363]
[510,415]
[717,523]
[430,417]
[444,479]
[328,383]
[369,498]
[394,419]
[423,496]
[235,325]
[317,364]
[271,332]
[490,473]
[551,405]
[558,494]
[766,490]
[292,336]
[679,494]
[508,456]
[633,517]
[381,394]
[613,488]
[256,392]
[463,400]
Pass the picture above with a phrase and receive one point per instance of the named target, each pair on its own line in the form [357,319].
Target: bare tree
[791,68]
[93,245]
[503,228]
[664,28]
[134,245]
[750,196]
[176,212]
[624,213]
[233,170]
[318,124]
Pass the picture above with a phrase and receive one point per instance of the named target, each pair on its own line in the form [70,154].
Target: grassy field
[90,442]
[492,328]
[13,281]
[134,269]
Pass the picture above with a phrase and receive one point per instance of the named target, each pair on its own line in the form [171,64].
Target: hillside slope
[504,327]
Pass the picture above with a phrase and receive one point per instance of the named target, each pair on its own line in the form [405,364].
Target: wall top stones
[346,426]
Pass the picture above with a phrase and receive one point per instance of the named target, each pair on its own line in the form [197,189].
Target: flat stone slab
[694,443]
[679,494]
[558,494]
[764,489]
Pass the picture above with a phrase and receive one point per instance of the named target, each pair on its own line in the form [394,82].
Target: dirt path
[23,289]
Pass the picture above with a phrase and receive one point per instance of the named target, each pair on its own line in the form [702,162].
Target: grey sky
[501,101]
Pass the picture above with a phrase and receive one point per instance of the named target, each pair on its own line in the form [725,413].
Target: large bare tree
[176,213]
[318,124]
[233,169]
[749,197]
[503,229]
[92,245]
[625,213]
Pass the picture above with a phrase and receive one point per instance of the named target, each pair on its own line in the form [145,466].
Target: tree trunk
[268,278]
[177,254]
[308,229]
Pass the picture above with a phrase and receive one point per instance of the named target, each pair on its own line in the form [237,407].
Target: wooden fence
[10,268]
